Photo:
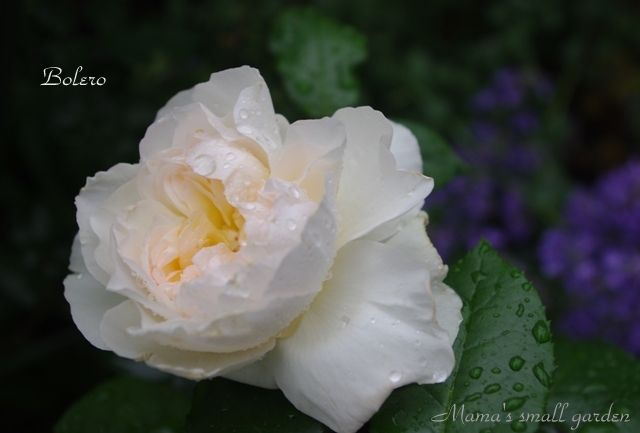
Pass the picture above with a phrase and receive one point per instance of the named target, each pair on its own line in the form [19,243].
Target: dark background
[424,63]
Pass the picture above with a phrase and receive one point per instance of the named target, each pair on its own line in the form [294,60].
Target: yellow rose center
[207,219]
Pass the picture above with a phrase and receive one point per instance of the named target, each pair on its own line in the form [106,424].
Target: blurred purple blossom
[487,203]
[595,252]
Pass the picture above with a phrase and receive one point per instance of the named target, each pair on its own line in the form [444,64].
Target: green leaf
[127,405]
[316,57]
[503,350]
[439,160]
[222,406]
[590,378]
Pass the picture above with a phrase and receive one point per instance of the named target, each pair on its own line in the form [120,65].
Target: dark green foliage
[591,378]
[222,406]
[127,405]
[315,57]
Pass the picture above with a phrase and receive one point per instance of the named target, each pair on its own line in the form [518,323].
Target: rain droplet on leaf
[475,372]
[516,363]
[513,403]
[490,389]
[541,331]
[541,374]
[473,397]
[518,426]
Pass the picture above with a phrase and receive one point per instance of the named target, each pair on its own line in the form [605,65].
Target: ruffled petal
[405,149]
[104,194]
[89,300]
[448,308]
[272,290]
[116,333]
[372,190]
[413,237]
[237,98]
[183,126]
[372,329]
[311,149]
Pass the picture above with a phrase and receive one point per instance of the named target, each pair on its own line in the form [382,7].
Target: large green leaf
[316,57]
[439,160]
[222,406]
[591,378]
[127,405]
[503,351]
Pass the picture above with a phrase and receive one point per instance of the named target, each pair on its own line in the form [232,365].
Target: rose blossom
[290,256]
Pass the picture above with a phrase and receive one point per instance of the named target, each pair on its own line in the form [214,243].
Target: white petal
[384,231]
[372,190]
[238,98]
[413,237]
[311,149]
[180,99]
[89,300]
[95,216]
[219,94]
[405,149]
[223,90]
[258,373]
[183,126]
[448,308]
[115,331]
[371,330]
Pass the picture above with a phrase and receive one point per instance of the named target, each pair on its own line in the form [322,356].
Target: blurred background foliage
[537,98]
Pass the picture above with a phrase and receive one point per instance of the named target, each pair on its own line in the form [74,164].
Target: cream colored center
[206,219]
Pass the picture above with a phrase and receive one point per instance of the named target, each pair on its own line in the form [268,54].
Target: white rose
[289,256]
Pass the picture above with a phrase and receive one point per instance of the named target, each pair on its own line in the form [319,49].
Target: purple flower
[595,253]
[487,204]
[508,88]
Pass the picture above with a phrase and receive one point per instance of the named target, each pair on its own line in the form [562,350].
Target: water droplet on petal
[243,114]
[230,156]
[291,225]
[345,320]
[295,192]
[395,377]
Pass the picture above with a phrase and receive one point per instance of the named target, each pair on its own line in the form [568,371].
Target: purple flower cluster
[596,255]
[487,203]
